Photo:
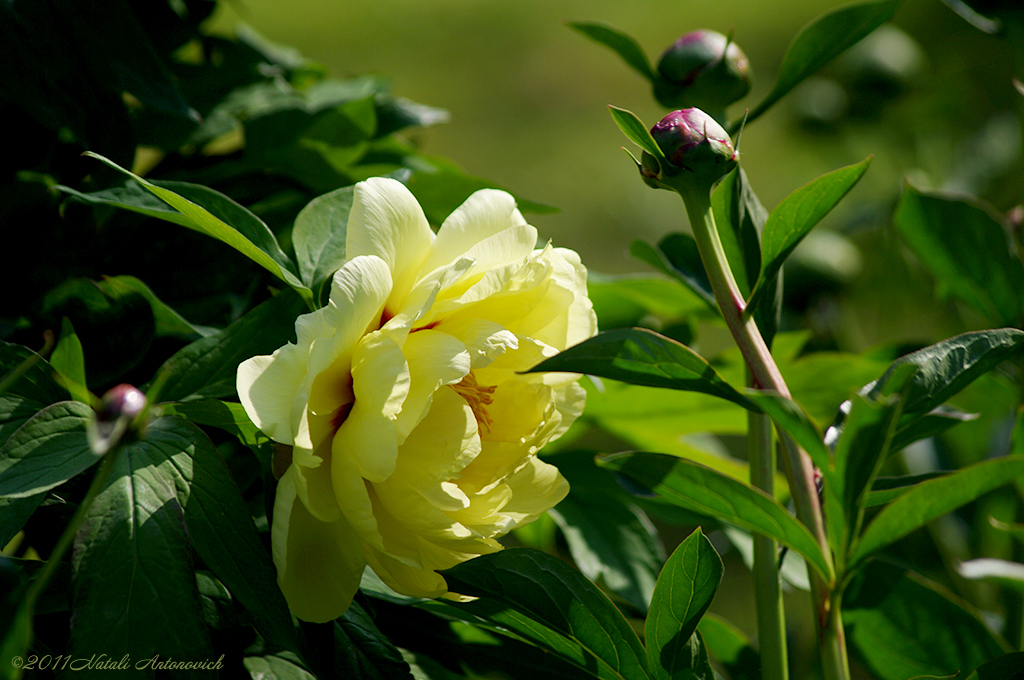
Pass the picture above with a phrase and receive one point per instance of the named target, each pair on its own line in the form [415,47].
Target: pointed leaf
[362,651]
[636,131]
[534,592]
[967,250]
[69,360]
[705,491]
[730,647]
[642,357]
[677,256]
[931,499]
[49,449]
[217,216]
[229,416]
[823,40]
[620,43]
[685,588]
[798,213]
[319,236]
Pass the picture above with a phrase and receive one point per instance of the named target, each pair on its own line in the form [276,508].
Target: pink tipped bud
[703,69]
[122,401]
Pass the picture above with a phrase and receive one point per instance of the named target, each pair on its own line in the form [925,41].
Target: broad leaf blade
[677,256]
[319,236]
[1005,667]
[623,45]
[823,40]
[685,588]
[539,588]
[705,491]
[798,213]
[636,131]
[642,357]
[731,647]
[49,449]
[933,498]
[967,250]
[362,651]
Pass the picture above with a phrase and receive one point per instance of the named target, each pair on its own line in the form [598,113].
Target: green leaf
[69,361]
[642,357]
[636,131]
[14,512]
[225,415]
[134,583]
[541,599]
[885,489]
[277,666]
[319,236]
[788,415]
[625,300]
[904,626]
[705,491]
[612,541]
[362,651]
[676,255]
[46,451]
[933,498]
[794,218]
[28,375]
[216,216]
[220,528]
[967,250]
[730,646]
[821,41]
[207,367]
[620,43]
[947,367]
[168,322]
[685,589]
[1005,667]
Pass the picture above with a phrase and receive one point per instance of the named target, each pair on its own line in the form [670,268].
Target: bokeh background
[931,99]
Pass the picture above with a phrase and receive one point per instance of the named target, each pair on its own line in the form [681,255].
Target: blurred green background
[528,97]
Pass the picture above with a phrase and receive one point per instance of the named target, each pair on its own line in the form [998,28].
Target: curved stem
[799,468]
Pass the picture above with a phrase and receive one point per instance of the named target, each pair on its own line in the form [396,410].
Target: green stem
[771,613]
[799,468]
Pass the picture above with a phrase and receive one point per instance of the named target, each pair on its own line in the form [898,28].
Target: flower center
[478,397]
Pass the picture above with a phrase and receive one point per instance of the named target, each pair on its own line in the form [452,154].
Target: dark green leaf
[794,218]
[636,131]
[823,40]
[620,43]
[677,256]
[903,626]
[224,415]
[931,424]
[26,374]
[48,450]
[14,512]
[207,367]
[933,498]
[243,231]
[219,525]
[168,322]
[947,367]
[362,651]
[611,540]
[705,491]
[319,236]
[730,647]
[788,415]
[134,583]
[279,666]
[685,589]
[642,357]
[537,596]
[1006,667]
[885,489]
[69,361]
[967,250]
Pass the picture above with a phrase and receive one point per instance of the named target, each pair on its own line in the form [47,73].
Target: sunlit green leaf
[636,131]
[684,591]
[49,449]
[69,360]
[703,490]
[967,250]
[823,40]
[618,42]
[642,357]
[225,415]
[932,499]
[319,236]
[541,599]
[794,218]
[904,626]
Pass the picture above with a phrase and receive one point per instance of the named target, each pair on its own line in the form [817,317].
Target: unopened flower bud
[698,150]
[123,401]
[703,69]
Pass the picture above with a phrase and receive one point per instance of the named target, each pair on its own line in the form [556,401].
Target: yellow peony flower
[413,436]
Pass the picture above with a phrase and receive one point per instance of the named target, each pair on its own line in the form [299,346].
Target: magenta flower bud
[123,401]
[697,149]
[703,69]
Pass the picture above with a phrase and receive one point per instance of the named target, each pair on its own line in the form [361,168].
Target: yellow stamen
[477,396]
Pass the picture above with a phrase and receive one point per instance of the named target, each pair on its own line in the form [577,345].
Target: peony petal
[270,389]
[435,359]
[319,565]
[380,382]
[386,221]
[485,340]
[536,488]
[404,578]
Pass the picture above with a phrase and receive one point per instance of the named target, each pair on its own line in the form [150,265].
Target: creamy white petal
[270,389]
[434,359]
[484,340]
